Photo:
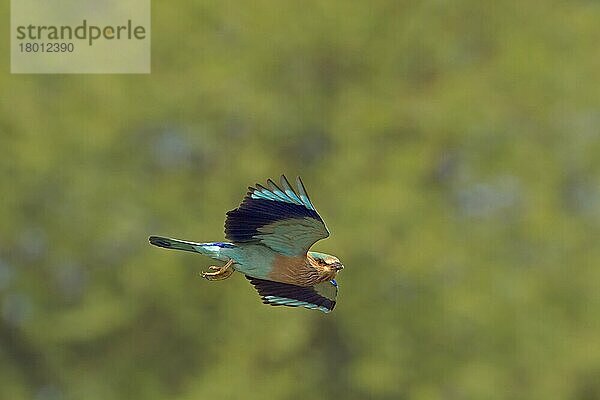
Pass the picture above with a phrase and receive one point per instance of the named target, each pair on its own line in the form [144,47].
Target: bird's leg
[219,273]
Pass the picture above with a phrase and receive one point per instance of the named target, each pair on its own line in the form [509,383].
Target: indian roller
[270,235]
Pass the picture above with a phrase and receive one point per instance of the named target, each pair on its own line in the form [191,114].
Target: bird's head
[329,264]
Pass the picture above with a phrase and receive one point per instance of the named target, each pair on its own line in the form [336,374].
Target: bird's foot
[219,273]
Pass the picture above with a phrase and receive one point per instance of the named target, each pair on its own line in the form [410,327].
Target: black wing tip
[259,186]
[271,181]
[302,188]
[283,182]
[273,185]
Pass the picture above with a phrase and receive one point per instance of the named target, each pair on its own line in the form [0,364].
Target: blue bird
[270,235]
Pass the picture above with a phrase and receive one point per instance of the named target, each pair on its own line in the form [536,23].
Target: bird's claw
[218,273]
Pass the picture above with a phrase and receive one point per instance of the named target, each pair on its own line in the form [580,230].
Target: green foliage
[451,147]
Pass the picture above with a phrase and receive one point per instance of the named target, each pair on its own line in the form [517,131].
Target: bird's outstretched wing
[319,297]
[281,218]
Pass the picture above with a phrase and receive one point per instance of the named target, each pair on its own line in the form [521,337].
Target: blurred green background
[453,148]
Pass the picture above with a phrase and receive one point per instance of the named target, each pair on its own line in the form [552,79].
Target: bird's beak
[339,266]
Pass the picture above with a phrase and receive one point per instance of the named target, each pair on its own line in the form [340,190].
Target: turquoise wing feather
[278,217]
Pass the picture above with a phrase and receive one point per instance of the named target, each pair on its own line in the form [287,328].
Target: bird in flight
[270,235]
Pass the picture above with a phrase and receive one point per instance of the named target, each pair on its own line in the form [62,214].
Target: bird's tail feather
[216,250]
[175,244]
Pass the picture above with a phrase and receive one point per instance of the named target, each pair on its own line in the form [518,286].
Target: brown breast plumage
[295,270]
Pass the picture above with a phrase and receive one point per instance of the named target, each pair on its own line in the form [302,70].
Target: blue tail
[214,249]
